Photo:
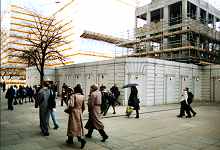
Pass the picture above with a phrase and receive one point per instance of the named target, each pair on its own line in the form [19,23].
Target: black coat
[134,102]
[190,97]
[52,100]
[10,93]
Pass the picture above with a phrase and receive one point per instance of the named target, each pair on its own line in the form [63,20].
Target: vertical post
[154,84]
[165,23]
[114,64]
[85,80]
[210,81]
[184,21]
[128,39]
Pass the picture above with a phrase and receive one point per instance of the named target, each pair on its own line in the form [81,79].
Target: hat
[186,89]
[94,87]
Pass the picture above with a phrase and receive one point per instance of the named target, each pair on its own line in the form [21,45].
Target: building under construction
[178,30]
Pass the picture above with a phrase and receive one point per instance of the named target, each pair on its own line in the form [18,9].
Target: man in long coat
[94,108]
[75,125]
[10,95]
[44,113]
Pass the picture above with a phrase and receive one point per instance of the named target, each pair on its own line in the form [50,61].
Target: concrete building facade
[160,81]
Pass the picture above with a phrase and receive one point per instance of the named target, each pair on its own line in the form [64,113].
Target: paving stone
[158,128]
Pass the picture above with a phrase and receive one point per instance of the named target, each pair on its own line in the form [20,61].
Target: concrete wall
[210,83]
[160,81]
[33,76]
[104,72]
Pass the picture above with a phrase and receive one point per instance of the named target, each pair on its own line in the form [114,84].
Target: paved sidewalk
[158,128]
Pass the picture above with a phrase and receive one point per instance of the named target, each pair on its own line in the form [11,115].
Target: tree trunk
[41,76]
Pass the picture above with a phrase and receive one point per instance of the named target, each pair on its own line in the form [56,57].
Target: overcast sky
[50,6]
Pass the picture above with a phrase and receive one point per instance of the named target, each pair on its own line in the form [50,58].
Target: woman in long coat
[94,108]
[75,124]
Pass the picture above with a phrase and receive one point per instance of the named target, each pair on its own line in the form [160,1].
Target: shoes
[179,116]
[69,142]
[194,114]
[83,143]
[137,117]
[188,117]
[88,136]
[56,127]
[46,134]
[114,113]
[104,138]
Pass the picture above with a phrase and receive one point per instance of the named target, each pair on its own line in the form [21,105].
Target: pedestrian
[134,101]
[184,105]
[19,95]
[105,100]
[24,93]
[76,108]
[10,95]
[52,107]
[15,95]
[64,93]
[80,88]
[110,100]
[44,113]
[30,93]
[190,100]
[4,86]
[36,90]
[115,93]
[94,108]
[55,88]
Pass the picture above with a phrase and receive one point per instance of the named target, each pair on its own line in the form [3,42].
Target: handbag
[68,109]
[129,110]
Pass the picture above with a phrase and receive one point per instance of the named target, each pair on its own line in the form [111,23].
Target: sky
[50,6]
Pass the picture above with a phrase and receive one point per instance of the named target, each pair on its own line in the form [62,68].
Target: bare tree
[44,37]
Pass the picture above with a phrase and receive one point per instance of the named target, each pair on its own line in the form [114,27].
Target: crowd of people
[75,102]
[19,95]
[99,101]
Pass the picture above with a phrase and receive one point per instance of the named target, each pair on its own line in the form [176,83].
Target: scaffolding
[188,40]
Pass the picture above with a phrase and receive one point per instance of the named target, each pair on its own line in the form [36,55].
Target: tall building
[12,40]
[178,30]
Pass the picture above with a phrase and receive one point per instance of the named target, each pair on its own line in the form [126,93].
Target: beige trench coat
[94,106]
[77,106]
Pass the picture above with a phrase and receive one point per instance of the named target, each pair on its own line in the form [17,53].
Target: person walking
[4,86]
[134,101]
[184,105]
[52,106]
[44,112]
[10,95]
[190,100]
[15,95]
[19,95]
[64,93]
[105,100]
[76,108]
[94,108]
[115,93]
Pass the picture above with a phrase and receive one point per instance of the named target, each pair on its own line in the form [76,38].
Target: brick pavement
[157,129]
